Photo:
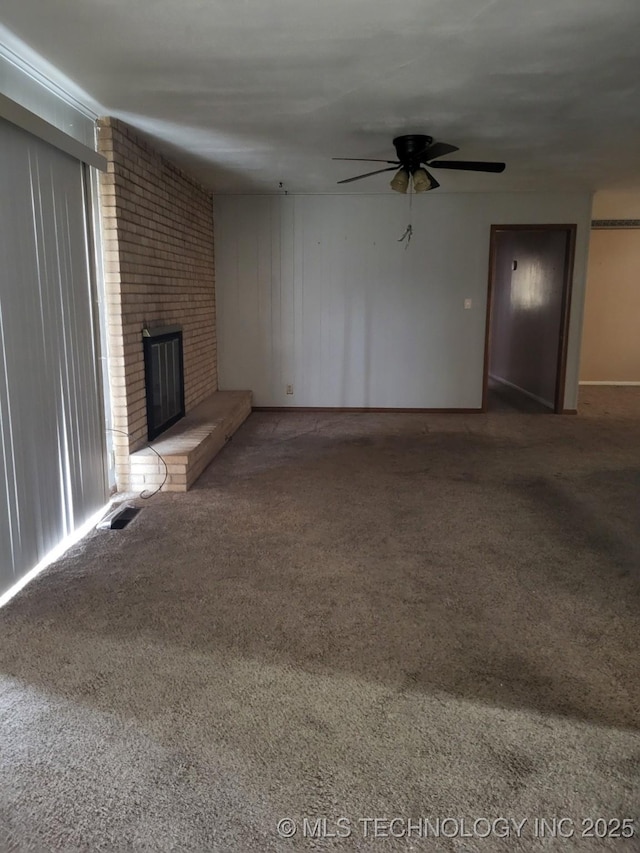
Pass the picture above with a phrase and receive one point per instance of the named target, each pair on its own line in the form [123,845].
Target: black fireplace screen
[164,379]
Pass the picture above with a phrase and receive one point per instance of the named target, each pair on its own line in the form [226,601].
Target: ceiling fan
[414,152]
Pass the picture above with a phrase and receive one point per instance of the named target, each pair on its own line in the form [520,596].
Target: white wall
[611,344]
[616,204]
[611,341]
[317,292]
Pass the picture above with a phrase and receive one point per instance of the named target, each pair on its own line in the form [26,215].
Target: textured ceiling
[248,93]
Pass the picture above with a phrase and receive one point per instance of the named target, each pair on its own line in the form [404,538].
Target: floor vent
[119,517]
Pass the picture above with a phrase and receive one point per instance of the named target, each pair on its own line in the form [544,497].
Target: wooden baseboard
[569,411]
[365,410]
[611,382]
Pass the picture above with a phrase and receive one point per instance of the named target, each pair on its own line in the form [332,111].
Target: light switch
[467,303]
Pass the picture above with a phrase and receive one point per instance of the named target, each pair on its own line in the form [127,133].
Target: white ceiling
[248,93]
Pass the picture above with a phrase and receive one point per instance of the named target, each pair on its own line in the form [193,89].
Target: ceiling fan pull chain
[409,230]
[407,235]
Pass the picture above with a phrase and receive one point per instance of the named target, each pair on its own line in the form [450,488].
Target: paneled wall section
[316,292]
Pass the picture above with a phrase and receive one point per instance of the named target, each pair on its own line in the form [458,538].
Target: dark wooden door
[528,310]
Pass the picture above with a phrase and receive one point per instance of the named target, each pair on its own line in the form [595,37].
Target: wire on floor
[145,495]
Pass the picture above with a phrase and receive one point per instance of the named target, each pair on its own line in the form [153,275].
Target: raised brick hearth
[190,445]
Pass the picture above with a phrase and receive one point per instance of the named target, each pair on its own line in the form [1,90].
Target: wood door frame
[567,285]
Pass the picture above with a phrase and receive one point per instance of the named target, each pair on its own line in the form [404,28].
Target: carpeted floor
[349,616]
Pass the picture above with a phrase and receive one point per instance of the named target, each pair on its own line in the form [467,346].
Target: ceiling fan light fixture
[421,181]
[413,151]
[400,181]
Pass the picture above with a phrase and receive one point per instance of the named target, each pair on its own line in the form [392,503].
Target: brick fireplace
[159,270]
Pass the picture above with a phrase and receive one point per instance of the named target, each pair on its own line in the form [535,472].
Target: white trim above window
[32,123]
[40,99]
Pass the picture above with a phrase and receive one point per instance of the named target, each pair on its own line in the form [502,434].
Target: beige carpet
[349,616]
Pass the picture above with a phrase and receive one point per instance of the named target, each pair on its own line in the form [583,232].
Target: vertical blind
[52,448]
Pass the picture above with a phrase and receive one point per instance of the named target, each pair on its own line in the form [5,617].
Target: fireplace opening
[164,378]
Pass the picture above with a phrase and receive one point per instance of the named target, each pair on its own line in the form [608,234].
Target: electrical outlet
[467,303]
[289,389]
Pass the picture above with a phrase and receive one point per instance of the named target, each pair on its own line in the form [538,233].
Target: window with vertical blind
[52,447]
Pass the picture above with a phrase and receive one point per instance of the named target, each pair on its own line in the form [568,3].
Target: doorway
[530,273]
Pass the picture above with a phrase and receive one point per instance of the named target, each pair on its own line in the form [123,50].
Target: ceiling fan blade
[368,174]
[367,160]
[438,149]
[468,165]
[434,183]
